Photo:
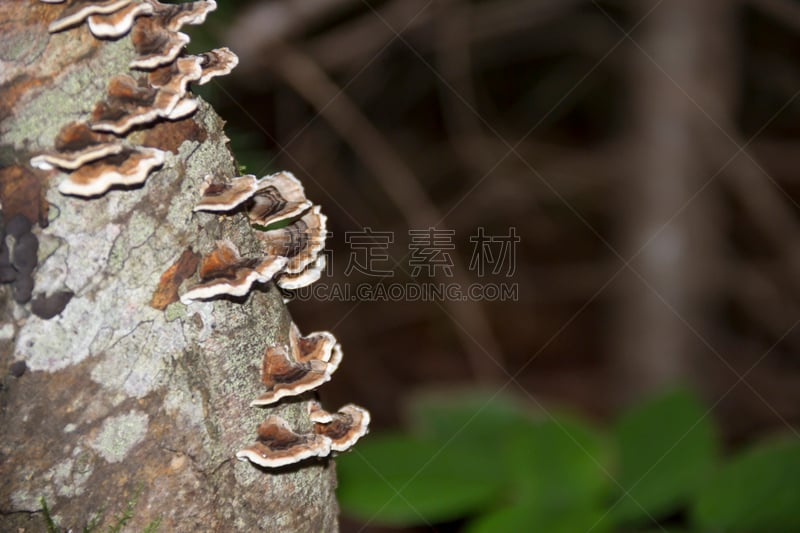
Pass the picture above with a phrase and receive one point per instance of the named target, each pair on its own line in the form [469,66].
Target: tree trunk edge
[122,403]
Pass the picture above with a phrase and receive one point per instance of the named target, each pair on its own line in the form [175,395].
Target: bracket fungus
[343,427]
[304,365]
[132,103]
[277,445]
[218,62]
[76,11]
[301,241]
[216,196]
[174,16]
[278,197]
[118,23]
[77,145]
[305,278]
[154,44]
[225,272]
[129,167]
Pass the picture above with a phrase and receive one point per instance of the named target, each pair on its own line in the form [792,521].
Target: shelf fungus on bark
[301,241]
[225,272]
[270,199]
[76,11]
[304,365]
[343,427]
[305,278]
[154,44]
[217,62]
[278,445]
[220,196]
[115,25]
[77,145]
[278,197]
[174,16]
[131,166]
[132,103]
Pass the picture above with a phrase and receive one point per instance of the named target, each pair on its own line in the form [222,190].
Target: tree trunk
[680,70]
[123,409]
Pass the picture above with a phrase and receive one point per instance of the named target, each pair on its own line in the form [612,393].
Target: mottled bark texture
[122,403]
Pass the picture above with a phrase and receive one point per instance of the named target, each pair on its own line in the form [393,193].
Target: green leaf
[758,491]
[524,519]
[403,480]
[559,465]
[468,414]
[667,450]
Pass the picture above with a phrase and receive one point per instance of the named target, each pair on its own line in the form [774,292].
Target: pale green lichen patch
[119,435]
[175,311]
[77,89]
[138,363]
[89,252]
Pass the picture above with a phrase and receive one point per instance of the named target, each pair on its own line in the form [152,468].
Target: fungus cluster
[291,255]
[98,153]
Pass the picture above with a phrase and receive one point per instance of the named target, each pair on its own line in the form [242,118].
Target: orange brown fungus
[167,290]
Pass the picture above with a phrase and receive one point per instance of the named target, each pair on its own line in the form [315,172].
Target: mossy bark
[122,404]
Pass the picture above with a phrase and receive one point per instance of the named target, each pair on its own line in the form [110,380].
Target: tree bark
[122,405]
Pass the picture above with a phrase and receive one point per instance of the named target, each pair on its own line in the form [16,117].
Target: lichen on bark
[119,398]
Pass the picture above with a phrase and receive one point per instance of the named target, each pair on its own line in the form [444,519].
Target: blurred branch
[353,43]
[304,76]
[769,207]
[261,24]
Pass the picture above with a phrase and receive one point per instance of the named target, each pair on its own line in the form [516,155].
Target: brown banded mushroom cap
[185,107]
[317,414]
[305,278]
[316,346]
[218,62]
[154,44]
[300,242]
[116,24]
[304,365]
[175,77]
[277,445]
[130,103]
[224,272]
[129,167]
[343,427]
[77,11]
[77,145]
[174,16]
[279,196]
[218,196]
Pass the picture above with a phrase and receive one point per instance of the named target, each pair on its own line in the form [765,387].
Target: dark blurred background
[645,153]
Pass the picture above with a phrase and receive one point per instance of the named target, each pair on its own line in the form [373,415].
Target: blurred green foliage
[488,462]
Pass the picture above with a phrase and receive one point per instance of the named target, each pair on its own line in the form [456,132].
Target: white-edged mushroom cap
[345,428]
[119,23]
[305,278]
[301,241]
[218,62]
[278,445]
[279,197]
[77,11]
[222,196]
[224,272]
[305,364]
[154,44]
[129,167]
